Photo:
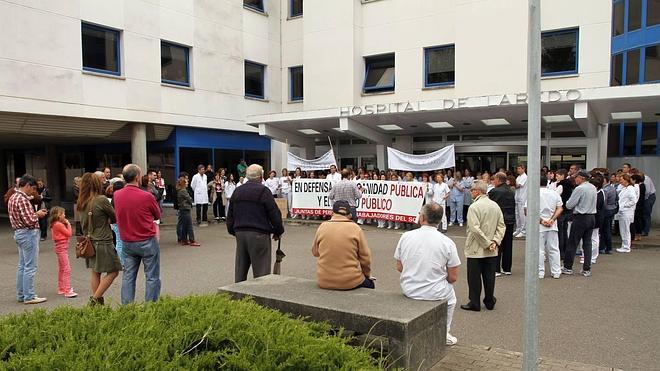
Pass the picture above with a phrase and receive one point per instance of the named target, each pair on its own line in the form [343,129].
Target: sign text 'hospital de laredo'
[550,96]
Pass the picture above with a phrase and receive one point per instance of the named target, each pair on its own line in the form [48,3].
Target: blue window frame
[255,74]
[174,64]
[634,139]
[439,66]
[100,49]
[379,73]
[296,84]
[257,5]
[559,52]
[295,8]
[636,66]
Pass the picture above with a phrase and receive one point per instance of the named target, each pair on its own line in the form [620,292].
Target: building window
[559,52]
[439,65]
[100,49]
[618,14]
[379,73]
[634,14]
[649,138]
[613,140]
[296,79]
[617,70]
[174,64]
[295,8]
[254,79]
[630,139]
[652,12]
[257,5]
[632,67]
[652,64]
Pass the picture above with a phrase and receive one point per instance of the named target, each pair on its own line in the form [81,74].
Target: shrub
[192,333]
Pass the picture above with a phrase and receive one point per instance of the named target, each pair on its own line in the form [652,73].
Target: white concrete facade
[41,61]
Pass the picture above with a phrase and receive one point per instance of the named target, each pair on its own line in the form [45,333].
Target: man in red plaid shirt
[25,223]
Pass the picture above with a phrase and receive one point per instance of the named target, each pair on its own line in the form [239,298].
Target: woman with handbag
[96,214]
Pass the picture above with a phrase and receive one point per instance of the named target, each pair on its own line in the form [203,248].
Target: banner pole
[333,150]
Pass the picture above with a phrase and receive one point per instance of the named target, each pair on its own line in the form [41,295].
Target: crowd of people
[579,210]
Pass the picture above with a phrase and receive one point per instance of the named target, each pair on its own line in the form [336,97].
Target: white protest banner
[322,163]
[395,201]
[440,159]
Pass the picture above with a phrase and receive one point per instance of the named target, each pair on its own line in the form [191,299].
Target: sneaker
[451,339]
[581,260]
[450,224]
[516,234]
[556,276]
[621,249]
[498,274]
[586,273]
[460,224]
[541,277]
[566,271]
[194,244]
[35,300]
[70,294]
[506,273]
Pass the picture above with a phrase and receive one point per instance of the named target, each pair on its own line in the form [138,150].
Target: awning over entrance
[17,129]
[573,110]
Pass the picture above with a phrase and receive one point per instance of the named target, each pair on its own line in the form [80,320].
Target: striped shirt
[345,190]
[21,212]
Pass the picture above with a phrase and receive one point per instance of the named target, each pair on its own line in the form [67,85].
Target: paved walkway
[473,358]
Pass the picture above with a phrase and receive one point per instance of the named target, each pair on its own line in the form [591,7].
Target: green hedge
[192,333]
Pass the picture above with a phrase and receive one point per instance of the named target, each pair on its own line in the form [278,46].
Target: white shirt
[549,202]
[438,193]
[627,201]
[425,255]
[521,193]
[285,184]
[229,189]
[333,177]
[200,190]
[273,184]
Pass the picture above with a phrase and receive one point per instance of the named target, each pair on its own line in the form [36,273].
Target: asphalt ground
[610,319]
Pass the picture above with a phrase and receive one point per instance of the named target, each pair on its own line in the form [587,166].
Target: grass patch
[192,333]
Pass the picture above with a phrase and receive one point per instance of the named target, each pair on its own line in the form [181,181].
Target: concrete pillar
[592,153]
[548,149]
[308,152]
[53,178]
[139,145]
[603,133]
[381,156]
[403,143]
[278,155]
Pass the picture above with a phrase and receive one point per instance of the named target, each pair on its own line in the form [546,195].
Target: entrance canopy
[574,110]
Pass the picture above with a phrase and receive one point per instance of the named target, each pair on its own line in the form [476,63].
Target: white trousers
[444,217]
[549,241]
[595,244]
[451,305]
[520,217]
[624,230]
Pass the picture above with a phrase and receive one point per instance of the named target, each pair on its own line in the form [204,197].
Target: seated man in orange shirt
[344,258]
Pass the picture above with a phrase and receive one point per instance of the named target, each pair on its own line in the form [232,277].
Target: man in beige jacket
[485,230]
[344,258]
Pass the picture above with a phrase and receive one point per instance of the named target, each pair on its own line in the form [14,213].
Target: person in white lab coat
[200,194]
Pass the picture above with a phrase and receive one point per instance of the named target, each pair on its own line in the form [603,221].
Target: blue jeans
[456,207]
[648,209]
[147,251]
[27,241]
